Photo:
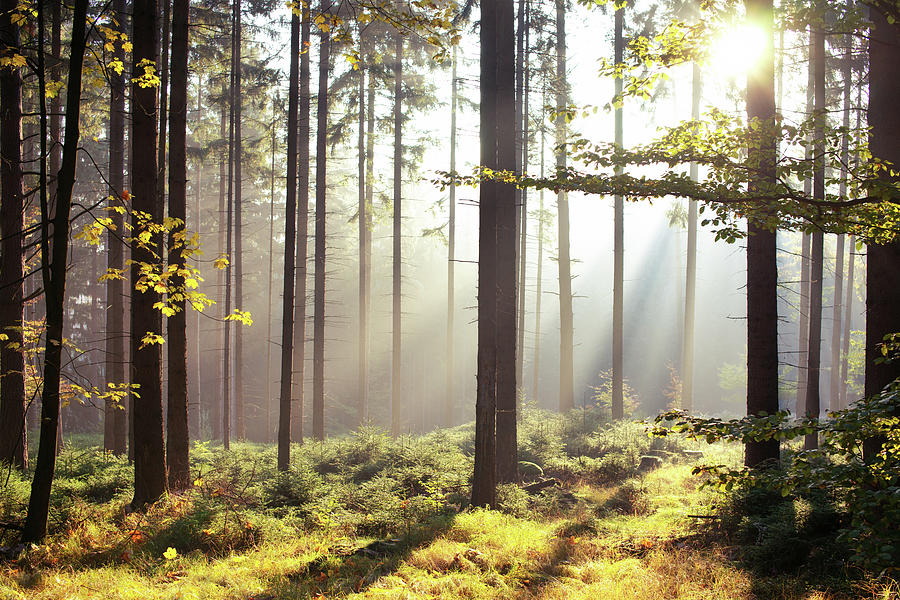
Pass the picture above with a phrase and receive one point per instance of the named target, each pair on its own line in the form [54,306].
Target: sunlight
[737,50]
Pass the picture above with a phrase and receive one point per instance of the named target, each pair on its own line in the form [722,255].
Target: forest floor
[369,517]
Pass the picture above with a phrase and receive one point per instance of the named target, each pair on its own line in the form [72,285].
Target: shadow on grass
[343,570]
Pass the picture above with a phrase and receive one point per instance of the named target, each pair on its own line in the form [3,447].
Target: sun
[737,50]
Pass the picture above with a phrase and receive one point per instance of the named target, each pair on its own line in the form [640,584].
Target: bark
[618,380]
[239,411]
[290,237]
[229,216]
[837,309]
[762,273]
[521,194]
[363,223]
[267,437]
[397,273]
[178,437]
[690,281]
[321,193]
[848,315]
[216,416]
[539,275]
[149,446]
[566,325]
[299,363]
[450,400]
[53,270]
[806,240]
[196,413]
[13,444]
[883,261]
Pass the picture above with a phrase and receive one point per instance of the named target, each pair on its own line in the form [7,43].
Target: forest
[449,299]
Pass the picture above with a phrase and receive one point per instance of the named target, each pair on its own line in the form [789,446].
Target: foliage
[864,488]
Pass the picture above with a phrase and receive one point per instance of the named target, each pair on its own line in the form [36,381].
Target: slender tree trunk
[848,314]
[13,443]
[762,272]
[53,268]
[226,354]
[566,325]
[197,394]
[396,329]
[216,416]
[321,193]
[690,283]
[115,432]
[449,401]
[239,410]
[268,434]
[523,227]
[805,266]
[163,72]
[618,381]
[178,438]
[299,366]
[838,327]
[363,222]
[56,141]
[882,273]
[539,275]
[290,238]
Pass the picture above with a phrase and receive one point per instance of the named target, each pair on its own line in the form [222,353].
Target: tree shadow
[346,570]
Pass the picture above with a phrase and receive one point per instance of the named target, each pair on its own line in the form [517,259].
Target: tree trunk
[618,380]
[216,416]
[290,238]
[497,117]
[762,272]
[239,411]
[566,325]
[363,223]
[321,193]
[848,314]
[226,353]
[882,272]
[521,209]
[450,400]
[13,445]
[178,438]
[53,268]
[396,315]
[805,241]
[196,414]
[690,280]
[149,446]
[115,432]
[268,433]
[539,275]
[299,362]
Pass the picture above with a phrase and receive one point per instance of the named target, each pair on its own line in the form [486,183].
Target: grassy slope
[631,539]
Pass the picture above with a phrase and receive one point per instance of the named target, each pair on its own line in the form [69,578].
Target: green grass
[246,532]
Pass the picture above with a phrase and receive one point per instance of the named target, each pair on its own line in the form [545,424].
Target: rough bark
[239,409]
[762,273]
[318,408]
[566,324]
[396,259]
[290,237]
[177,433]
[53,270]
[13,446]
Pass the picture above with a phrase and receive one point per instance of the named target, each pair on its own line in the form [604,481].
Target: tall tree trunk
[762,272]
[226,353]
[618,381]
[882,272]
[848,314]
[523,221]
[520,164]
[149,445]
[690,280]
[837,377]
[56,141]
[177,440]
[13,445]
[539,275]
[114,432]
[290,238]
[239,411]
[566,324]
[396,315]
[805,266]
[53,268]
[163,72]
[299,366]
[496,251]
[216,416]
[813,400]
[196,413]
[449,401]
[362,391]
[268,435]
[318,407]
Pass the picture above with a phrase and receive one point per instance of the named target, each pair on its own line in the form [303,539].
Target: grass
[369,517]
